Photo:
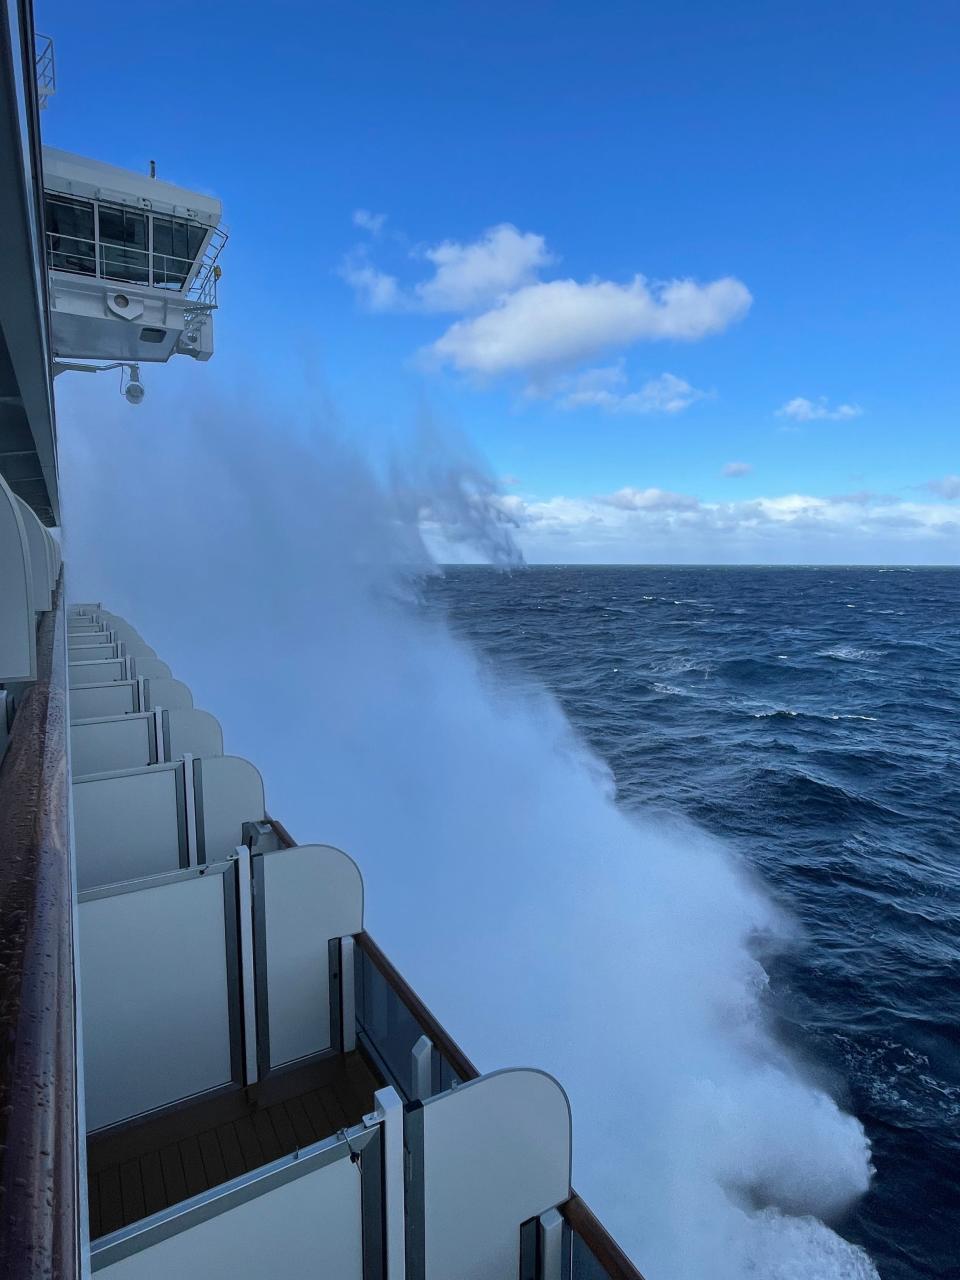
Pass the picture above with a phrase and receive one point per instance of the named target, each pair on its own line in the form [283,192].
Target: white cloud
[465,277]
[544,326]
[602,389]
[477,274]
[947,487]
[514,322]
[733,469]
[367,221]
[655,525]
[801,409]
[628,499]
[377,290]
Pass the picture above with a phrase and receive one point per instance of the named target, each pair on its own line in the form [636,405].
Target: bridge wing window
[176,245]
[70,235]
[80,232]
[123,244]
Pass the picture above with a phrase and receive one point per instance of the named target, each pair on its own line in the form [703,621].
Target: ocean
[810,717]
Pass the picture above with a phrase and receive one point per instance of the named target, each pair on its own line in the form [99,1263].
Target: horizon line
[687,564]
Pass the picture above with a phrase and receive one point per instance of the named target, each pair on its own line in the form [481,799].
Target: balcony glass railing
[393,1030]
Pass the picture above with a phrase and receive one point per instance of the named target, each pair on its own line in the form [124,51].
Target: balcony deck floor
[150,1166]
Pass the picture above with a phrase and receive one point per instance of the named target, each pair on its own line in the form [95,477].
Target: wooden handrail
[441,1038]
[598,1240]
[39,1208]
[283,835]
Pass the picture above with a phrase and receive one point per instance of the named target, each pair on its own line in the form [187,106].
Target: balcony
[265,1094]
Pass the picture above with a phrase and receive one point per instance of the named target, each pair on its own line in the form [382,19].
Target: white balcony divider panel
[55,557]
[120,625]
[495,1151]
[92,652]
[192,732]
[117,698]
[158,986]
[305,896]
[118,742]
[18,632]
[40,565]
[129,824]
[150,668]
[131,637]
[136,648]
[115,620]
[307,1228]
[232,794]
[108,743]
[133,641]
[169,694]
[97,672]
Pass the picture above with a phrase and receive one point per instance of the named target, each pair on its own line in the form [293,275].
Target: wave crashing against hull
[536,917]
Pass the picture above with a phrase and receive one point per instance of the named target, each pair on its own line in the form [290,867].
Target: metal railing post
[190,805]
[247,974]
[421,1069]
[551,1246]
[348,997]
[390,1112]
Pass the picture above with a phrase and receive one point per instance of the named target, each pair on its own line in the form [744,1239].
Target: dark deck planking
[149,1166]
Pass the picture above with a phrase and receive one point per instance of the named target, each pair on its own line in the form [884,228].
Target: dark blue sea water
[811,717]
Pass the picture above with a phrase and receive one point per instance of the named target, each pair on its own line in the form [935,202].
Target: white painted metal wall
[18,635]
[158,996]
[128,824]
[489,1155]
[306,1229]
[308,895]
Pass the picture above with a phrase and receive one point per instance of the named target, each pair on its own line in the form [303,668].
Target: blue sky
[539,178]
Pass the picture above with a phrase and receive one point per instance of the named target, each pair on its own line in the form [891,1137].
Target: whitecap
[848,653]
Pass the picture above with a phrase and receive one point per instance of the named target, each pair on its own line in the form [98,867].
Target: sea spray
[275,573]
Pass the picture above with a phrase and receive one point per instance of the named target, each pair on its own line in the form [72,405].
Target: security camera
[134,389]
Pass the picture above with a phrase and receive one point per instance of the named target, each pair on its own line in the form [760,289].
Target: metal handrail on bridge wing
[99,259]
[46,69]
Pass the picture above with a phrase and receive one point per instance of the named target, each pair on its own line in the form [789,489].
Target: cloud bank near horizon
[656,525]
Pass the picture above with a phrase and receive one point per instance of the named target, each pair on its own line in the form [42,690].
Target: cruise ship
[209,1067]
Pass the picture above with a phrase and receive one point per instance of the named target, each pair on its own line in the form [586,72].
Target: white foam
[849,653]
[540,922]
